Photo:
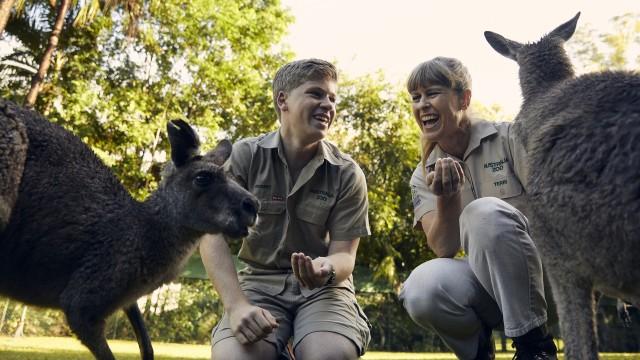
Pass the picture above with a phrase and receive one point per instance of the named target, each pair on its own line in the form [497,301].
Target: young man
[313,209]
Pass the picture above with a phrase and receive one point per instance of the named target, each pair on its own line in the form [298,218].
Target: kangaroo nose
[250,206]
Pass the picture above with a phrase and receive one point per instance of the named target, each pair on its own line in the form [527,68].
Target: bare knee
[231,349]
[314,347]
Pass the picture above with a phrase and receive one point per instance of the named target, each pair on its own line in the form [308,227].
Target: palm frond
[29,30]
[87,12]
[132,11]
[19,6]
[17,68]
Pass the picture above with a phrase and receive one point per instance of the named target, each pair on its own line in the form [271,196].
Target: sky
[363,36]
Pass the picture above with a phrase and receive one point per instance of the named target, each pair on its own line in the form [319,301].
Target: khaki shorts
[332,309]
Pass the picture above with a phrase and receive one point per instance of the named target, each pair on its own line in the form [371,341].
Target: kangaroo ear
[502,45]
[185,143]
[566,30]
[221,153]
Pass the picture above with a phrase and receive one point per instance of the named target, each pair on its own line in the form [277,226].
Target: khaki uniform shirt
[494,164]
[328,202]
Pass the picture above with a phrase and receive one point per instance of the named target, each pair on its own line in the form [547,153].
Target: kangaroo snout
[250,206]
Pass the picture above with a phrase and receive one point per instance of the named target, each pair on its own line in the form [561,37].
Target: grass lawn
[55,348]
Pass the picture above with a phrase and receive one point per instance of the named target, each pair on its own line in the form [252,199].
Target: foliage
[493,112]
[616,50]
[212,62]
[375,127]
[392,329]
[209,62]
[18,68]
[198,310]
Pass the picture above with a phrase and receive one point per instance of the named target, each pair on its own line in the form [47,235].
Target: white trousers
[499,284]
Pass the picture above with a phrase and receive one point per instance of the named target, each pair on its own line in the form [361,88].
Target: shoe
[543,349]
[487,347]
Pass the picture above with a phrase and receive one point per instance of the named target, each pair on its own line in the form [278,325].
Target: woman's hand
[447,177]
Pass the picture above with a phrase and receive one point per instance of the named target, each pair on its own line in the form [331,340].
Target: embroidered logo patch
[495,166]
[276,197]
[501,180]
[415,197]
[321,194]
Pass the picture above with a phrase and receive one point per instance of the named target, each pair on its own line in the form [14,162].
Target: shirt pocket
[312,222]
[502,187]
[313,214]
[268,207]
[260,244]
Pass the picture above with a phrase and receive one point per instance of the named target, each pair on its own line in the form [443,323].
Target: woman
[466,191]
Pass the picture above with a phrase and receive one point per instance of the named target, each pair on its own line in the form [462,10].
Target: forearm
[343,264]
[218,262]
[443,236]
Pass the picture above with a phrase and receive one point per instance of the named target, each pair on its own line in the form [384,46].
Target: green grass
[59,348]
[63,348]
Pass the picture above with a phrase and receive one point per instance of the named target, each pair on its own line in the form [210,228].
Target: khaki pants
[499,283]
[300,313]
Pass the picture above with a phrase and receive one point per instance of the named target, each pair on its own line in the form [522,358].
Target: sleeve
[349,218]
[518,158]
[423,199]
[237,165]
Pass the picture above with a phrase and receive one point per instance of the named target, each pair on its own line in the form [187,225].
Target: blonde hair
[295,73]
[442,71]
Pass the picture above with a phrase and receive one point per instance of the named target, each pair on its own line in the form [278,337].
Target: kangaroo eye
[203,179]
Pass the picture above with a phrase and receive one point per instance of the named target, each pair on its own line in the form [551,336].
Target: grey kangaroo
[582,136]
[76,240]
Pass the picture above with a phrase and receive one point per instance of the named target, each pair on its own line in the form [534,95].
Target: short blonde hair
[295,73]
[442,71]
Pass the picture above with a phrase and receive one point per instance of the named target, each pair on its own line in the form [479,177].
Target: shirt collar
[480,130]
[270,140]
[327,152]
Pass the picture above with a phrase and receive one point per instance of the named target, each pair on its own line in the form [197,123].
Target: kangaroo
[77,241]
[582,137]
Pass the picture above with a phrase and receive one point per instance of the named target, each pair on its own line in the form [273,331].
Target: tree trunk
[20,330]
[38,78]
[4,314]
[5,12]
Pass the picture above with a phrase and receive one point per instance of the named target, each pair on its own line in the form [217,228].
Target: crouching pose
[467,192]
[297,287]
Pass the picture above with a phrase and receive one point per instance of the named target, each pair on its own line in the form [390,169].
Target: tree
[493,112]
[5,12]
[4,314]
[38,77]
[83,13]
[210,62]
[615,50]
[374,125]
